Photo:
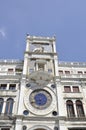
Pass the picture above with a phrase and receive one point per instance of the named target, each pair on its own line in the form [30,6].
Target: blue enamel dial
[40,99]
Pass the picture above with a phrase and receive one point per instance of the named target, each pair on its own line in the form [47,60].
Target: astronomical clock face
[40,101]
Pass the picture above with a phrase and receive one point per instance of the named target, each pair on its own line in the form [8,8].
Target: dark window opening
[12,86]
[75,89]
[10,70]
[79,108]
[40,66]
[18,70]
[60,72]
[80,72]
[1,104]
[67,72]
[70,109]
[9,106]
[67,89]
[3,86]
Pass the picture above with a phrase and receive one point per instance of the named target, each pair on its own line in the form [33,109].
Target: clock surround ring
[36,111]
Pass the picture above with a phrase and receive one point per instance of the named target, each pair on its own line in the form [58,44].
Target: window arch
[9,106]
[79,108]
[70,108]
[1,104]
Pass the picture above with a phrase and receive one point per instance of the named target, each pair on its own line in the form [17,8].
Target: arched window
[9,106]
[79,107]
[1,104]
[70,109]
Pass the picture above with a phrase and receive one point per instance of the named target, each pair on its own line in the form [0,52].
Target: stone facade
[41,92]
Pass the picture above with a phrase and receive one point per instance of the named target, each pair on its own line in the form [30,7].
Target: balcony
[73,76]
[72,95]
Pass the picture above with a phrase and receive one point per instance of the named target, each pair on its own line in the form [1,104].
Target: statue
[40,49]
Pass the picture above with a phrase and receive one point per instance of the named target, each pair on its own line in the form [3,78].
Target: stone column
[26,60]
[62,125]
[25,67]
[60,100]
[4,106]
[27,45]
[83,88]
[75,111]
[54,45]
[56,65]
[21,96]
[7,86]
[18,125]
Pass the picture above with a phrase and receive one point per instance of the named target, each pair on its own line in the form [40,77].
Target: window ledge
[71,92]
[8,90]
[76,118]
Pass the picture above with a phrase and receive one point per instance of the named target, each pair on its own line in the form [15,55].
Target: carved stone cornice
[10,77]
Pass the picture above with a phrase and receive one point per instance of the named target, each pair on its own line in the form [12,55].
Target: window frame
[75,89]
[3,86]
[67,89]
[12,86]
[67,72]
[70,109]
[60,72]
[80,72]
[1,104]
[10,70]
[79,109]
[9,106]
[41,66]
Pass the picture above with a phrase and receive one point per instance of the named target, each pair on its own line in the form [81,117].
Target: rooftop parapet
[15,61]
[72,64]
[40,38]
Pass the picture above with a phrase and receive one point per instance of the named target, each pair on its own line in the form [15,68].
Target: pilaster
[62,125]
[60,98]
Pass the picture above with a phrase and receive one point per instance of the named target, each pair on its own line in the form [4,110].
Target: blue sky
[66,19]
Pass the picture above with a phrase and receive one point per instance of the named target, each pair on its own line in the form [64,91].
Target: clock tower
[38,99]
